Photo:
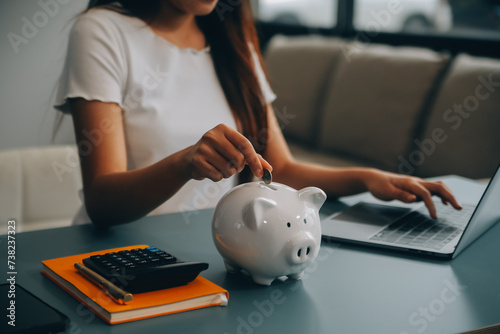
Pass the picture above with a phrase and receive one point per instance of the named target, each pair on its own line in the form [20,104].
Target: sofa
[39,187]
[403,109]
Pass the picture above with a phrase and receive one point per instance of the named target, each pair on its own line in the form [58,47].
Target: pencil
[115,293]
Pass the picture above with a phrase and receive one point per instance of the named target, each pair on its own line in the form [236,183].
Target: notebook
[412,229]
[196,294]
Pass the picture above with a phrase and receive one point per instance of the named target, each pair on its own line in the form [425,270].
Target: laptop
[411,229]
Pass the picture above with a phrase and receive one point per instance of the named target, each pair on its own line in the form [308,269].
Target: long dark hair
[230,32]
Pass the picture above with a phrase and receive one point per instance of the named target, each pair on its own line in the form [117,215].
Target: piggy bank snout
[301,248]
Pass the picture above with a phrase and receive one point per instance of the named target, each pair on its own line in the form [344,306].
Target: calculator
[144,269]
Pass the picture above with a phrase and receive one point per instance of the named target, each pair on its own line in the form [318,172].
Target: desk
[348,289]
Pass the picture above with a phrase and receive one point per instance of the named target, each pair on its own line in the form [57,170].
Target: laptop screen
[487,213]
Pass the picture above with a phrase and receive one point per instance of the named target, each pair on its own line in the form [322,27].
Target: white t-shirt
[170,96]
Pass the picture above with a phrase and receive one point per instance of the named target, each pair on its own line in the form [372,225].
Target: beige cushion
[10,188]
[469,144]
[374,100]
[39,186]
[298,68]
[51,182]
[305,153]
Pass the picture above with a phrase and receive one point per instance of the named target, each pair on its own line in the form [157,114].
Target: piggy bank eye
[288,224]
[305,221]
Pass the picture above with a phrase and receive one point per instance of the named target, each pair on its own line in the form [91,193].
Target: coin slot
[263,185]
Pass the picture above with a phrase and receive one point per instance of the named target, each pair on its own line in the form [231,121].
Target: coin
[267,177]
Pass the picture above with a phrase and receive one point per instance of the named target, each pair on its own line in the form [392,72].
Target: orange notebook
[197,294]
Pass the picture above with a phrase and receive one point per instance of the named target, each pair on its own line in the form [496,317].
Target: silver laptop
[412,230]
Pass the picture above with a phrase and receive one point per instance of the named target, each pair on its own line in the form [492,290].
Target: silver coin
[267,177]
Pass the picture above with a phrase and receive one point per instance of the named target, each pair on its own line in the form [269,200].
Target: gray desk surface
[348,289]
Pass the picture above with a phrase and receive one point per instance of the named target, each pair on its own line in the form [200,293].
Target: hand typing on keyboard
[388,186]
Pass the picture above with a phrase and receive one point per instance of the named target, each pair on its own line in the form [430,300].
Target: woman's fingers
[388,186]
[264,163]
[222,152]
[422,193]
[246,148]
[441,190]
[425,190]
[228,160]
[403,196]
[203,169]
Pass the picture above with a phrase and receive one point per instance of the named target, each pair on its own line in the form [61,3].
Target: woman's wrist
[365,176]
[181,165]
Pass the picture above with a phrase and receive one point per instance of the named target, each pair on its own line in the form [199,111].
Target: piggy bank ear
[254,212]
[313,195]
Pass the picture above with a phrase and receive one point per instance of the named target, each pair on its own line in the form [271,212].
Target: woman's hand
[388,186]
[220,153]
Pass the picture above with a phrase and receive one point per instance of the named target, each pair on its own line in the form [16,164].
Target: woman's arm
[348,181]
[114,195]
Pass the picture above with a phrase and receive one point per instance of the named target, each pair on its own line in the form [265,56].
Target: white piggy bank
[268,230]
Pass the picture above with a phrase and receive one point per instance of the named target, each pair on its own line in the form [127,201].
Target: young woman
[171,105]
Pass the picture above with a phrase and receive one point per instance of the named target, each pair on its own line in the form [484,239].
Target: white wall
[31,61]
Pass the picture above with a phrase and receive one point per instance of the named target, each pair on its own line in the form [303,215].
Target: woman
[169,96]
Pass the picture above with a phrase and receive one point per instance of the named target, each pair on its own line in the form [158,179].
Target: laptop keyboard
[417,229]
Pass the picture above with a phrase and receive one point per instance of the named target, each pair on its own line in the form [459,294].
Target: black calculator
[144,269]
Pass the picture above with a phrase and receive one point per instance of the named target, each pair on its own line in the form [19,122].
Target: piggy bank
[269,230]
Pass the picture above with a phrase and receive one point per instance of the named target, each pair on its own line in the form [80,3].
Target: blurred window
[476,18]
[471,18]
[309,13]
